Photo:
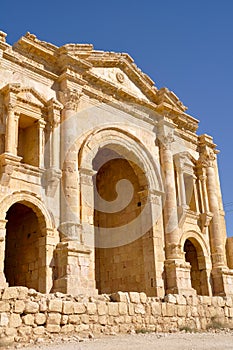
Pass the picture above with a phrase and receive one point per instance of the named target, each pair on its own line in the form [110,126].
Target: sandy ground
[177,341]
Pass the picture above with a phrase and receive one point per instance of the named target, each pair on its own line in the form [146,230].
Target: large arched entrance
[28,240]
[22,260]
[126,240]
[198,274]
[121,267]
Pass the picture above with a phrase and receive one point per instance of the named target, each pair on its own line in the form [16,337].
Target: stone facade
[104,183]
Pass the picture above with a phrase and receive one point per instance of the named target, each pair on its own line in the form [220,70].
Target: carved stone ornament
[120,77]
[70,99]
[207,158]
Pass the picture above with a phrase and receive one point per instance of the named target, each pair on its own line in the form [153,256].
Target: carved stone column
[170,206]
[11,142]
[53,173]
[70,210]
[217,240]
[73,257]
[177,270]
[41,126]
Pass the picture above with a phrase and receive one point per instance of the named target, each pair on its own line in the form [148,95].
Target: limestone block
[39,330]
[85,319]
[68,307]
[19,306]
[4,306]
[123,308]
[22,293]
[170,298]
[64,319]
[67,328]
[206,300]
[156,309]
[53,328]
[169,309]
[103,320]
[131,309]
[194,311]
[119,296]
[91,308]
[15,320]
[102,308]
[134,297]
[113,309]
[93,318]
[24,330]
[10,293]
[11,331]
[143,297]
[181,310]
[54,318]
[74,319]
[139,309]
[4,320]
[40,319]
[79,308]
[181,300]
[28,320]
[228,301]
[55,305]
[31,307]
[42,305]
[81,328]
[230,311]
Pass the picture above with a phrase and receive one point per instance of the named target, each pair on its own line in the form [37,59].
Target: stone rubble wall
[26,314]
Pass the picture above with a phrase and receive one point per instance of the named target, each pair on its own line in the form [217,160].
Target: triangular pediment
[118,77]
[31,96]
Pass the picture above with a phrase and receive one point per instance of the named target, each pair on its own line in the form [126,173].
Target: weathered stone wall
[26,314]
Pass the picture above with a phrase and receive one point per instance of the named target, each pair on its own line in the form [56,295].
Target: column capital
[70,99]
[165,134]
[207,158]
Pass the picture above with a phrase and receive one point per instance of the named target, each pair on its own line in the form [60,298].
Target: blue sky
[185,45]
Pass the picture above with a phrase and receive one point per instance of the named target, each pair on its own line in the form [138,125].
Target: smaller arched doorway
[194,255]
[23,262]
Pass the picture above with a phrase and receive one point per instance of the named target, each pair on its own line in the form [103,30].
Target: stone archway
[122,267]
[124,241]
[198,273]
[27,240]
[23,233]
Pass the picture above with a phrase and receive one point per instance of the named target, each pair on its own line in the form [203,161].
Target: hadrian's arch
[26,227]
[121,191]
[197,255]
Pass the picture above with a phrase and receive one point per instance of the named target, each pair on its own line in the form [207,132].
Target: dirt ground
[177,341]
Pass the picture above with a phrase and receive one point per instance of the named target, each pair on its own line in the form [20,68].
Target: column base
[72,273]
[222,278]
[178,279]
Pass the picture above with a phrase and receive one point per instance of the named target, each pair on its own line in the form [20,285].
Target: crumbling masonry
[105,185]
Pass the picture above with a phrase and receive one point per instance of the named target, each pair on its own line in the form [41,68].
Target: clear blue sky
[186,45]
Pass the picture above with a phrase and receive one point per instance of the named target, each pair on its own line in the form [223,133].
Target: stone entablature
[104,176]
